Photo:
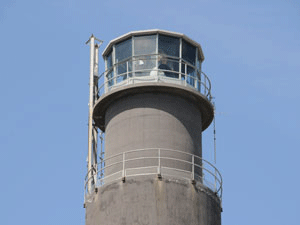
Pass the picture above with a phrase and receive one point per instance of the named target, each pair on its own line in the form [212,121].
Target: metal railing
[155,161]
[148,68]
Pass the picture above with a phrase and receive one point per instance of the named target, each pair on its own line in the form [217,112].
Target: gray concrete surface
[150,201]
[200,101]
[157,115]
[153,120]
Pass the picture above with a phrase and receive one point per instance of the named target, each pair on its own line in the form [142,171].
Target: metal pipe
[185,72]
[180,58]
[159,165]
[95,85]
[123,160]
[193,167]
[127,68]
[91,104]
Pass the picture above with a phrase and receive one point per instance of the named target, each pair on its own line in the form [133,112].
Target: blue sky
[252,52]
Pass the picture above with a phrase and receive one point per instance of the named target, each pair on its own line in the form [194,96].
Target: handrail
[117,166]
[189,76]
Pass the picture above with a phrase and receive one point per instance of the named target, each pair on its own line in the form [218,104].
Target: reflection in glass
[198,85]
[121,71]
[168,66]
[188,52]
[110,78]
[123,50]
[168,45]
[109,61]
[144,65]
[145,45]
[188,74]
[198,65]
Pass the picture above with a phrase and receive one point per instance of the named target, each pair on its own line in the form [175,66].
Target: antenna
[92,130]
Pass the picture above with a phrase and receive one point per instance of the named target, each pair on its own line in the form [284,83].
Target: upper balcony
[154,56]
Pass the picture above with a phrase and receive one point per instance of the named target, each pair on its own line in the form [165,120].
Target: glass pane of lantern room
[123,50]
[109,61]
[123,54]
[145,45]
[188,52]
[109,69]
[189,55]
[168,46]
[144,50]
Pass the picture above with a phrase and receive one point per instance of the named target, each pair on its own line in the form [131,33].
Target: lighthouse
[150,107]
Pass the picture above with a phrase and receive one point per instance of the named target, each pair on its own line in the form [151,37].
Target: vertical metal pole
[123,172]
[133,59]
[156,58]
[101,158]
[105,82]
[92,132]
[91,104]
[200,77]
[116,75]
[159,166]
[127,70]
[113,79]
[96,66]
[215,147]
[96,72]
[180,58]
[95,94]
[196,71]
[205,89]
[185,72]
[193,168]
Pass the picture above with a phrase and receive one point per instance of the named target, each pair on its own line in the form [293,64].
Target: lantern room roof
[151,32]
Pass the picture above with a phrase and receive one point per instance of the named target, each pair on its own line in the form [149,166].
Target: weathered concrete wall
[153,120]
[149,201]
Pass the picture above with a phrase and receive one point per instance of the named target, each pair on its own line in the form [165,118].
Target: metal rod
[159,166]
[95,94]
[92,131]
[185,72]
[91,104]
[123,172]
[193,168]
[127,68]
[215,145]
[180,58]
[114,65]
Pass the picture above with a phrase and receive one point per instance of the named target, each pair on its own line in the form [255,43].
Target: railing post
[185,72]
[205,89]
[200,80]
[159,165]
[180,61]
[215,179]
[127,77]
[193,169]
[91,105]
[133,69]
[84,193]
[123,171]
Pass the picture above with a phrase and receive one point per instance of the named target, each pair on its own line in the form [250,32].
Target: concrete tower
[152,103]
